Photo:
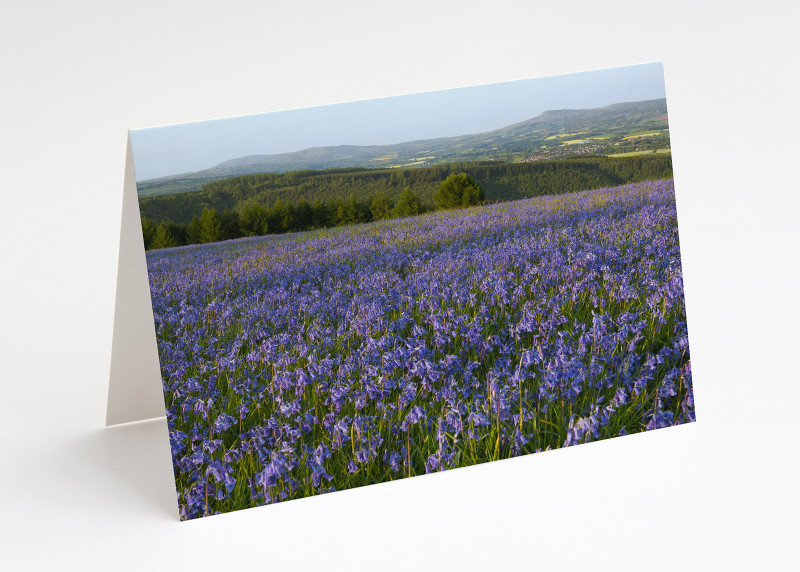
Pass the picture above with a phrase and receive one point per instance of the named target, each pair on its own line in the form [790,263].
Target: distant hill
[619,128]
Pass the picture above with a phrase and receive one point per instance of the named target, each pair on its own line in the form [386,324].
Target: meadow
[299,364]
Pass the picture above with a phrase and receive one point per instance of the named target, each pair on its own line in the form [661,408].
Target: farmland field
[637,153]
[640,135]
[299,364]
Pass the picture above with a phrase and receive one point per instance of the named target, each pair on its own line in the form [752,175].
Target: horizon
[190,147]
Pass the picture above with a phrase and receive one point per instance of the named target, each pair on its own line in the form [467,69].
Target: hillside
[555,134]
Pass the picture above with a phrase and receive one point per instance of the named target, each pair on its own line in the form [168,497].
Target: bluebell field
[296,365]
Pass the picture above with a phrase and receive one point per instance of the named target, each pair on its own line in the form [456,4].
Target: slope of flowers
[301,364]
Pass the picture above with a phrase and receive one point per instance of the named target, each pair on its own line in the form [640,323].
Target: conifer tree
[211,224]
[148,232]
[163,237]
[381,206]
[457,191]
[194,232]
[408,204]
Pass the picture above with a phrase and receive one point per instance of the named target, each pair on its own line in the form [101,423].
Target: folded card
[332,297]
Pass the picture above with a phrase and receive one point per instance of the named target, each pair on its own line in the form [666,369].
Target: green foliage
[356,212]
[164,236]
[255,205]
[408,204]
[499,182]
[211,226]
[148,231]
[302,215]
[320,215]
[381,206]
[194,232]
[459,190]
[230,225]
[282,219]
[253,219]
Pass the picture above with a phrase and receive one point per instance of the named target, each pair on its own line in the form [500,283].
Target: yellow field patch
[633,153]
[637,135]
[409,164]
[565,135]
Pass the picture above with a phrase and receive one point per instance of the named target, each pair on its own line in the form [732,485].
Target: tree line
[499,181]
[253,219]
[275,203]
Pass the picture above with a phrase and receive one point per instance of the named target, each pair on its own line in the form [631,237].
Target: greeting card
[331,297]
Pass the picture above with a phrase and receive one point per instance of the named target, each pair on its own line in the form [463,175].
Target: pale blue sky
[187,147]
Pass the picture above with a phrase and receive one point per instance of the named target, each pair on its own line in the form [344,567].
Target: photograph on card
[367,291]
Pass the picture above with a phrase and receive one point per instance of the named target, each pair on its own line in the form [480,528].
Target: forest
[275,203]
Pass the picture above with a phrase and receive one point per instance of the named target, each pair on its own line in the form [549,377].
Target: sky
[188,147]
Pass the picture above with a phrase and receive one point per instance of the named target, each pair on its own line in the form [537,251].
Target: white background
[718,494]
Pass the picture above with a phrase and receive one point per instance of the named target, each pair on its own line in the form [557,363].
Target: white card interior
[134,389]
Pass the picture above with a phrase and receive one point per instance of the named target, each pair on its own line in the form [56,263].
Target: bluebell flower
[222,423]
